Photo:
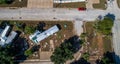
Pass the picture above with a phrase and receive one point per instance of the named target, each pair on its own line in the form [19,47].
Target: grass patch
[70,5]
[2,2]
[97,42]
[107,44]
[91,38]
[59,37]
[16,3]
[118,2]
[101,5]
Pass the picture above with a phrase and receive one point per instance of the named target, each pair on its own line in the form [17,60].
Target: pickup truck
[82,9]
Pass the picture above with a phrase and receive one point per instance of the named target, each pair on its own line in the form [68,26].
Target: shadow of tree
[108,58]
[76,43]
[19,47]
[9,1]
[111,16]
[35,48]
[41,26]
[80,61]
[4,24]
[116,59]
[66,50]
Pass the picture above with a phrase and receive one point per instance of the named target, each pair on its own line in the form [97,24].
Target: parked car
[82,9]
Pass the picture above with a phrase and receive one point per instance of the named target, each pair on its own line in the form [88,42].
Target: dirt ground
[100,44]
[95,1]
[49,44]
[45,55]
[40,4]
[118,2]
[100,5]
[96,44]
[56,38]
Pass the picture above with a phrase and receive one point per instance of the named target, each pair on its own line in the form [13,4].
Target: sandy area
[40,4]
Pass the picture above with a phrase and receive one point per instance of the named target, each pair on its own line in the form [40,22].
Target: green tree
[2,1]
[6,1]
[29,29]
[5,56]
[28,52]
[105,60]
[62,54]
[83,35]
[108,58]
[66,50]
[86,56]
[105,26]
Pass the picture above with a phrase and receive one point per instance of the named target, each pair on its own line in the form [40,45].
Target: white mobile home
[37,36]
[68,1]
[4,39]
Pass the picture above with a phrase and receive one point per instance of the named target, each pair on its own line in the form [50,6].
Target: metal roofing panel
[67,1]
[11,37]
[47,33]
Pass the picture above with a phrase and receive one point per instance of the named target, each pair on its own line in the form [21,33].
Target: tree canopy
[62,54]
[28,52]
[6,1]
[105,26]
[65,51]
[108,58]
[5,55]
[86,56]
[29,29]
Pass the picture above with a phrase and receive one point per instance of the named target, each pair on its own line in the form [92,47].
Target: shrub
[30,29]
[28,52]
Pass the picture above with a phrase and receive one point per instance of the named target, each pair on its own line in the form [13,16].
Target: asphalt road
[116,40]
[49,14]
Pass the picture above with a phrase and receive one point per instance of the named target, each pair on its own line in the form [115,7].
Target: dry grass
[94,41]
[107,44]
[40,4]
[101,5]
[16,3]
[57,38]
[118,2]
[98,45]
[91,38]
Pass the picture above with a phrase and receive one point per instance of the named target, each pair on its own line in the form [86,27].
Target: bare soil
[97,45]
[57,38]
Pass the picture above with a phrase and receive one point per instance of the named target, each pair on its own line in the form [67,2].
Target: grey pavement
[116,40]
[49,14]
